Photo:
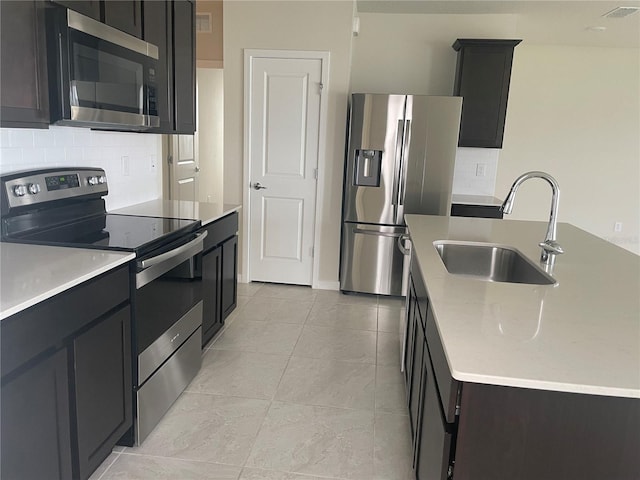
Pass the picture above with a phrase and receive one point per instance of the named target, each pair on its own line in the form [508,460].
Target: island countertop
[33,273]
[205,212]
[581,335]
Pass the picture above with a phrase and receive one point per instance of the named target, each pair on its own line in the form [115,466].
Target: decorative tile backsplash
[475,171]
[130,160]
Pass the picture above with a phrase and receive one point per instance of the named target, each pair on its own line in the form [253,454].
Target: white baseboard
[326,285]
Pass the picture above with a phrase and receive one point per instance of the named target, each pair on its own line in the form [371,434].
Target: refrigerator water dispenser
[368,164]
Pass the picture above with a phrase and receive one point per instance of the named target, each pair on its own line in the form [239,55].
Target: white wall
[299,25]
[575,113]
[210,134]
[23,148]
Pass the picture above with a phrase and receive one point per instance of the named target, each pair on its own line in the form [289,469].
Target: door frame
[249,55]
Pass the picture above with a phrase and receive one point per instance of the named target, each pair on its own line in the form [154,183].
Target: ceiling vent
[621,12]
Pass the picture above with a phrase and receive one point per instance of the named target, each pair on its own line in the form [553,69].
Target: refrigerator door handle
[397,163]
[402,174]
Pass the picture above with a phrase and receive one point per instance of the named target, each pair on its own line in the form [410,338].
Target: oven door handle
[157,266]
[150,262]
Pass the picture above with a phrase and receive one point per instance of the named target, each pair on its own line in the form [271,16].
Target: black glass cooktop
[114,232]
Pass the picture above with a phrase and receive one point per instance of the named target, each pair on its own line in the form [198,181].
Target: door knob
[257,186]
[197,169]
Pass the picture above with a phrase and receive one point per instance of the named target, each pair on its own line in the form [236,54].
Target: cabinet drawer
[447,385]
[220,230]
[34,330]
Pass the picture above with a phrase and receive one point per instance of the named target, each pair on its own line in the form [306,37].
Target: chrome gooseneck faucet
[550,247]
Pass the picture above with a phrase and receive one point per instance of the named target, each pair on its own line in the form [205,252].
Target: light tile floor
[301,384]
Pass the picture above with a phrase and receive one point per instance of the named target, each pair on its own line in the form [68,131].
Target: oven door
[106,77]
[167,326]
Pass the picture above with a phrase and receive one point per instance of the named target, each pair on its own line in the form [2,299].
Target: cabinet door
[434,441]
[483,75]
[416,373]
[158,25]
[410,335]
[24,97]
[211,290]
[90,8]
[103,388]
[36,441]
[229,276]
[125,15]
[184,72]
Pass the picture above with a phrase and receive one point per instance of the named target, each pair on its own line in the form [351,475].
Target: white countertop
[581,335]
[483,200]
[30,274]
[205,212]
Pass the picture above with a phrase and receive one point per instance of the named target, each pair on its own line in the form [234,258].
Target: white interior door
[183,168]
[284,110]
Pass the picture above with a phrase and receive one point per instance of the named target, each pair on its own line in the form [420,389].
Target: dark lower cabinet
[219,264]
[24,96]
[478,211]
[102,388]
[211,287]
[433,450]
[36,422]
[66,381]
[229,275]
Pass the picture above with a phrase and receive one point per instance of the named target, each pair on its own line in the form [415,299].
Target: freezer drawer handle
[401,245]
[377,234]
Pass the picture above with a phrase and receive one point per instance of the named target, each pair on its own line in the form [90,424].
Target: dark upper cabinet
[483,73]
[24,96]
[90,8]
[184,71]
[170,26]
[124,15]
[158,28]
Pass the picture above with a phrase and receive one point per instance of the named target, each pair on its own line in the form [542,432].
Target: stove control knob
[34,188]
[102,179]
[19,191]
[92,180]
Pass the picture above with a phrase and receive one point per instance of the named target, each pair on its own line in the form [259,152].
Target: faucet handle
[551,246]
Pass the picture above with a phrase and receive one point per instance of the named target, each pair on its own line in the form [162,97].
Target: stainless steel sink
[491,263]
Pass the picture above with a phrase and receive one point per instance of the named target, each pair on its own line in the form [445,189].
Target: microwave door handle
[163,257]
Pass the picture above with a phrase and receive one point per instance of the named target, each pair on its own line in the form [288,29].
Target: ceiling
[568,22]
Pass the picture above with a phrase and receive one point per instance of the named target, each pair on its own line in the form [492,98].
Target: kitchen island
[533,381]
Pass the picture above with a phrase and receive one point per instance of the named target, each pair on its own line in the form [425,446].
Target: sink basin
[491,263]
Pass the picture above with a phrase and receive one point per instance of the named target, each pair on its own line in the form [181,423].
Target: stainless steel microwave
[99,77]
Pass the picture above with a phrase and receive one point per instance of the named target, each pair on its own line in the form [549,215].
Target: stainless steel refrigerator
[399,159]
